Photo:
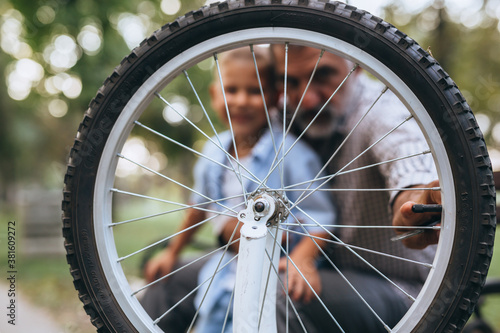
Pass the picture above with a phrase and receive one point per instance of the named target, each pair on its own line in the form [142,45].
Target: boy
[250,141]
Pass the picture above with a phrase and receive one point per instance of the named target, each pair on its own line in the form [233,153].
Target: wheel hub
[264,208]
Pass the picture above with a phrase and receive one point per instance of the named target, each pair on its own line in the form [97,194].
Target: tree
[55,57]
[467,45]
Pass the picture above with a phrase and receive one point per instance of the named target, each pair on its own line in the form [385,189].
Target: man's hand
[404,216]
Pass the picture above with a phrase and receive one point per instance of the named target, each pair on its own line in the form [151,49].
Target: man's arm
[404,216]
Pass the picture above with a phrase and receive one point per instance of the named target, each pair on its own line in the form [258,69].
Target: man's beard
[322,126]
[328,120]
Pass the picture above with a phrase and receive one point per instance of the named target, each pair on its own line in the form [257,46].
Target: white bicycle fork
[256,280]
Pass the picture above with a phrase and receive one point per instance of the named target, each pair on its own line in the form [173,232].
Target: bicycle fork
[258,259]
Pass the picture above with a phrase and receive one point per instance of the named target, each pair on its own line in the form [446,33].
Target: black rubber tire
[468,156]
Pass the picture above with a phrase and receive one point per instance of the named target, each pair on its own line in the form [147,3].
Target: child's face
[244,99]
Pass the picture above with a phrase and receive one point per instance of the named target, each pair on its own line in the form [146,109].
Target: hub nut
[261,207]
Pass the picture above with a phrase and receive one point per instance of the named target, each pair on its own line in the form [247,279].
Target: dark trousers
[350,312]
[164,295]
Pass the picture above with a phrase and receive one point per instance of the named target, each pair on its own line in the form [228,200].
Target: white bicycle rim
[102,214]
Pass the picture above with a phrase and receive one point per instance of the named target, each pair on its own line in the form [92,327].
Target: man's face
[330,73]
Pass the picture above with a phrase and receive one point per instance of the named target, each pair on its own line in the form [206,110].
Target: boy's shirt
[301,164]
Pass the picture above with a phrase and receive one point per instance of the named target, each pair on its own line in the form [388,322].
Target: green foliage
[38,123]
[38,120]
[468,47]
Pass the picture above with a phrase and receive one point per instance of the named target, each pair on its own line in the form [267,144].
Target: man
[333,124]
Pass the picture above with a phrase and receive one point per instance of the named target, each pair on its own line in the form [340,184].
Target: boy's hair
[263,57]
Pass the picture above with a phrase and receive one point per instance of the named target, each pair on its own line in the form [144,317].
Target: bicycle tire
[472,178]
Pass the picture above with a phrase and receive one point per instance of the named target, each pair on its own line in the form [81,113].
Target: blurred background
[54,56]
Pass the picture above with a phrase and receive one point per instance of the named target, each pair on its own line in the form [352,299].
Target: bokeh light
[178,109]
[58,108]
[62,54]
[170,7]
[11,35]
[133,28]
[24,75]
[136,148]
[90,39]
[45,14]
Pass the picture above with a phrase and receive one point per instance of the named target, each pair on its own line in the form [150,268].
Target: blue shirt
[301,164]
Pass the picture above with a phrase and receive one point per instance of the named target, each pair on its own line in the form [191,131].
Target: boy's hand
[304,256]
[159,265]
[298,289]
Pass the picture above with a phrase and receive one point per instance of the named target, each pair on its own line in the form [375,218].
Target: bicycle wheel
[129,173]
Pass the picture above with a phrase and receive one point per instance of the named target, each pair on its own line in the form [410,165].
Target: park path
[28,318]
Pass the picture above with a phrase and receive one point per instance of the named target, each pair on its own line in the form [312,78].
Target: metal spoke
[191,293]
[394,189]
[228,311]
[181,268]
[213,275]
[353,160]
[173,181]
[196,152]
[285,98]
[355,253]
[171,236]
[304,92]
[184,207]
[323,107]
[285,290]
[263,98]
[312,121]
[348,136]
[229,156]
[307,282]
[345,279]
[174,202]
[424,264]
[186,75]
[411,227]
[271,266]
[285,92]
[235,148]
[360,168]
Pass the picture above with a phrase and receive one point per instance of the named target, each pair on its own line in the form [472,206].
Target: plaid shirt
[367,208]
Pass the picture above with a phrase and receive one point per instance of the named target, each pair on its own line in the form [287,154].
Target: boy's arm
[304,256]
[163,263]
